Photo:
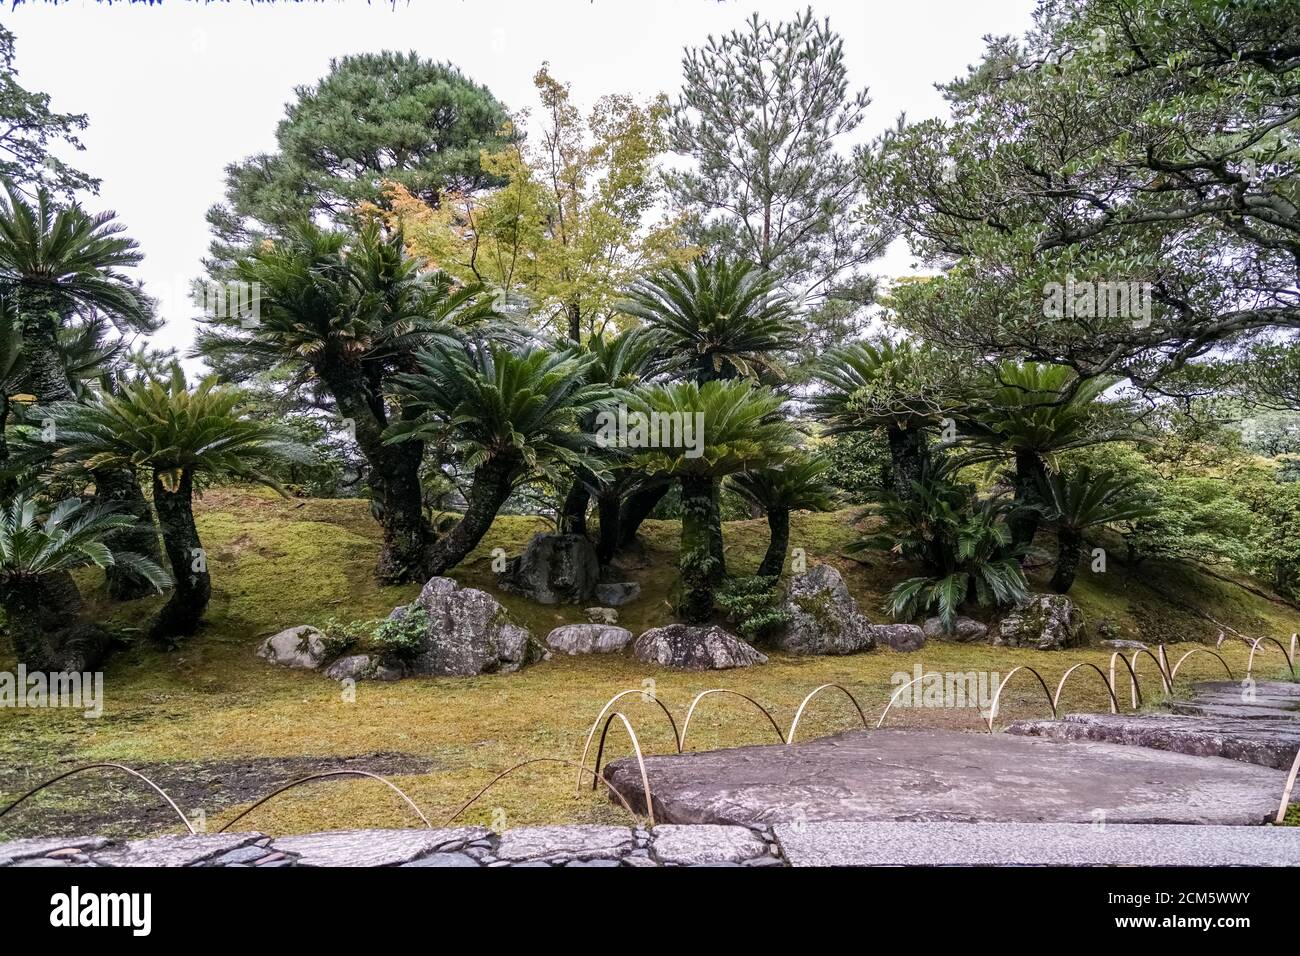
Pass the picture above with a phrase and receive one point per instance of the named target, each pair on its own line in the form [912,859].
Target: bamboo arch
[997,696]
[1056,698]
[1254,647]
[323,776]
[524,763]
[1173,673]
[640,761]
[789,738]
[103,766]
[690,711]
[586,747]
[1286,791]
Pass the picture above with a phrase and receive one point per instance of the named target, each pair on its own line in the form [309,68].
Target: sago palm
[733,426]
[798,485]
[1082,499]
[57,262]
[175,436]
[1033,411]
[719,319]
[38,552]
[349,311]
[960,539]
[895,387]
[510,415]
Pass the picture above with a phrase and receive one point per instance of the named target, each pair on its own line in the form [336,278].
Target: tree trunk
[395,483]
[394,473]
[573,513]
[907,454]
[1030,475]
[778,523]
[1069,548]
[697,561]
[636,508]
[48,380]
[41,617]
[487,493]
[192,588]
[717,548]
[120,488]
[607,504]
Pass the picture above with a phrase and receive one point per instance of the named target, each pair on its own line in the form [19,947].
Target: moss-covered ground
[211,713]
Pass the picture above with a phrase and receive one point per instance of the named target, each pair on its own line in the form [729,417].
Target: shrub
[402,637]
[753,605]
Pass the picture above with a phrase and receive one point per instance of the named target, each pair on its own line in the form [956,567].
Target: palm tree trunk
[697,559]
[36,610]
[1030,475]
[394,473]
[395,484]
[716,546]
[1069,548]
[120,488]
[573,513]
[488,491]
[48,380]
[636,508]
[778,523]
[607,505]
[192,589]
[907,453]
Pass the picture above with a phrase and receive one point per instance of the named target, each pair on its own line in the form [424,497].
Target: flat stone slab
[1036,844]
[176,850]
[31,847]
[374,847]
[1268,742]
[564,842]
[706,843]
[926,775]
[1266,700]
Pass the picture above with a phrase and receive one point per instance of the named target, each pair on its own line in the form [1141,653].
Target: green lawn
[212,713]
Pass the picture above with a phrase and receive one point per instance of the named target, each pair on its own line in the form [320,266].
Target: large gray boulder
[554,569]
[302,647]
[695,648]
[469,633]
[824,618]
[964,630]
[1048,622]
[589,639]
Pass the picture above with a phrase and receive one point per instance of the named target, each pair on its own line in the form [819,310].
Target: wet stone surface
[461,847]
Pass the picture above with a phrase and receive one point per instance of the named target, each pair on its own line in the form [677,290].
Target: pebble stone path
[576,846]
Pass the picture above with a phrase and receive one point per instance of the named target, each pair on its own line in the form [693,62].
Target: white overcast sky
[175,92]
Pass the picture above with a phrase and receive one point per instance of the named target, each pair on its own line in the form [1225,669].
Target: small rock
[1119,645]
[695,648]
[361,667]
[602,615]
[589,639]
[898,637]
[616,594]
[964,630]
[294,647]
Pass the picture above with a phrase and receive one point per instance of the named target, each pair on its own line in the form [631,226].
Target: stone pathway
[1037,844]
[938,775]
[1259,725]
[578,846]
